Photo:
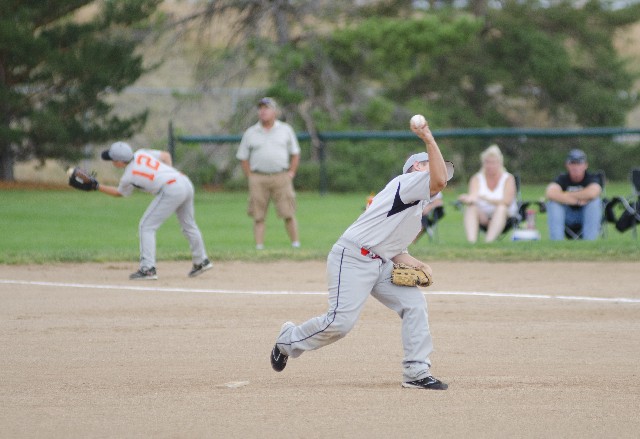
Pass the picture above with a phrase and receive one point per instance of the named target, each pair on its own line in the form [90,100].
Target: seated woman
[491,199]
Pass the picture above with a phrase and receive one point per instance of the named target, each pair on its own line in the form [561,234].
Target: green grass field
[43,226]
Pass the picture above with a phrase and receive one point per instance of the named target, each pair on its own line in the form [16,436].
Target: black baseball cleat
[278,359]
[200,268]
[144,274]
[428,382]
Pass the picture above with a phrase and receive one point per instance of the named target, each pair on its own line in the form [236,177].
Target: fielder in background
[361,264]
[269,155]
[151,171]
[574,199]
[491,199]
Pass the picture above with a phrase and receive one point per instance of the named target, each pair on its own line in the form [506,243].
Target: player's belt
[365,252]
[173,180]
[269,173]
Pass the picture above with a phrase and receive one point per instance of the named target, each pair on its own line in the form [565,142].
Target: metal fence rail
[327,136]
[408,135]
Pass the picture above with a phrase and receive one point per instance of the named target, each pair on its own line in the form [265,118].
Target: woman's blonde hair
[493,151]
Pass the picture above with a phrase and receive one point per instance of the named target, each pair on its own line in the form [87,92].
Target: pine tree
[58,69]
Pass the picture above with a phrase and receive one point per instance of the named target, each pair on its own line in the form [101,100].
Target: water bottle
[531,219]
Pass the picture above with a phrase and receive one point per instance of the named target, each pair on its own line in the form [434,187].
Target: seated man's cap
[119,151]
[269,102]
[576,156]
[424,157]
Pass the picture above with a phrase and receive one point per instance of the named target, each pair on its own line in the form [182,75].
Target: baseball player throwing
[151,171]
[361,262]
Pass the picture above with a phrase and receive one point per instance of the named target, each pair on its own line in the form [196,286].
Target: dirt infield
[529,350]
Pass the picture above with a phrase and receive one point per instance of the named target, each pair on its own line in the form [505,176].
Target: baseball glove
[409,276]
[82,180]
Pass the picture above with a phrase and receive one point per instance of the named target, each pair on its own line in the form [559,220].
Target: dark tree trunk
[7,161]
[479,8]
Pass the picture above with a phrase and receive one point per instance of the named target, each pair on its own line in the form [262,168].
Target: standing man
[360,264]
[151,171]
[574,199]
[269,154]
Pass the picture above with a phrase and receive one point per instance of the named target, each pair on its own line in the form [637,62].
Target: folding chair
[430,223]
[575,231]
[630,215]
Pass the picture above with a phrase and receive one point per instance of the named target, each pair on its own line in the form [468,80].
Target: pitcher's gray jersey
[393,219]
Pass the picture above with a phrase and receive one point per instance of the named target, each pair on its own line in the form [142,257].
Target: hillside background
[171,93]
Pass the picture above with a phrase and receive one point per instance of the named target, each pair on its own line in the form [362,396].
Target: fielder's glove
[409,276]
[82,180]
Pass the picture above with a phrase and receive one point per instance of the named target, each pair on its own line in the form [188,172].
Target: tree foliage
[526,64]
[333,66]
[557,62]
[371,65]
[58,70]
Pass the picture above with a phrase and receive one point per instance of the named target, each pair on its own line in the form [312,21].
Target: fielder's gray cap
[269,102]
[424,157]
[576,156]
[119,151]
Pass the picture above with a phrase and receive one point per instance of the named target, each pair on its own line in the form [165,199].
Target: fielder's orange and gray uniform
[174,193]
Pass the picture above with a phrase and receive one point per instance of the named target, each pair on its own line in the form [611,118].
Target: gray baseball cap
[576,156]
[419,157]
[424,157]
[118,151]
[269,102]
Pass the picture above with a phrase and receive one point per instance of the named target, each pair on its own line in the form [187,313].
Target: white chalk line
[306,293]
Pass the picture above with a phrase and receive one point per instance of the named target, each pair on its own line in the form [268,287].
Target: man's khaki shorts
[276,187]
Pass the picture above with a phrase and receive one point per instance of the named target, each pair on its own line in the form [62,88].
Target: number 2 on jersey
[150,163]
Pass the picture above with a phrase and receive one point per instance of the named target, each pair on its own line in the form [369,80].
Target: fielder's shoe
[144,274]
[278,359]
[200,268]
[428,382]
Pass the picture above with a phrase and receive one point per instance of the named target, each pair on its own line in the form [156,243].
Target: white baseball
[418,121]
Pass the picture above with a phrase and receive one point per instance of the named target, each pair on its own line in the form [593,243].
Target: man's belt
[269,173]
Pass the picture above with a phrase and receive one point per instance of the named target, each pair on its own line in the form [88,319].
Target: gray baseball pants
[352,277]
[175,197]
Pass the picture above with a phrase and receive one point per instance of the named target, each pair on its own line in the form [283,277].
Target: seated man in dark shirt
[574,199]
